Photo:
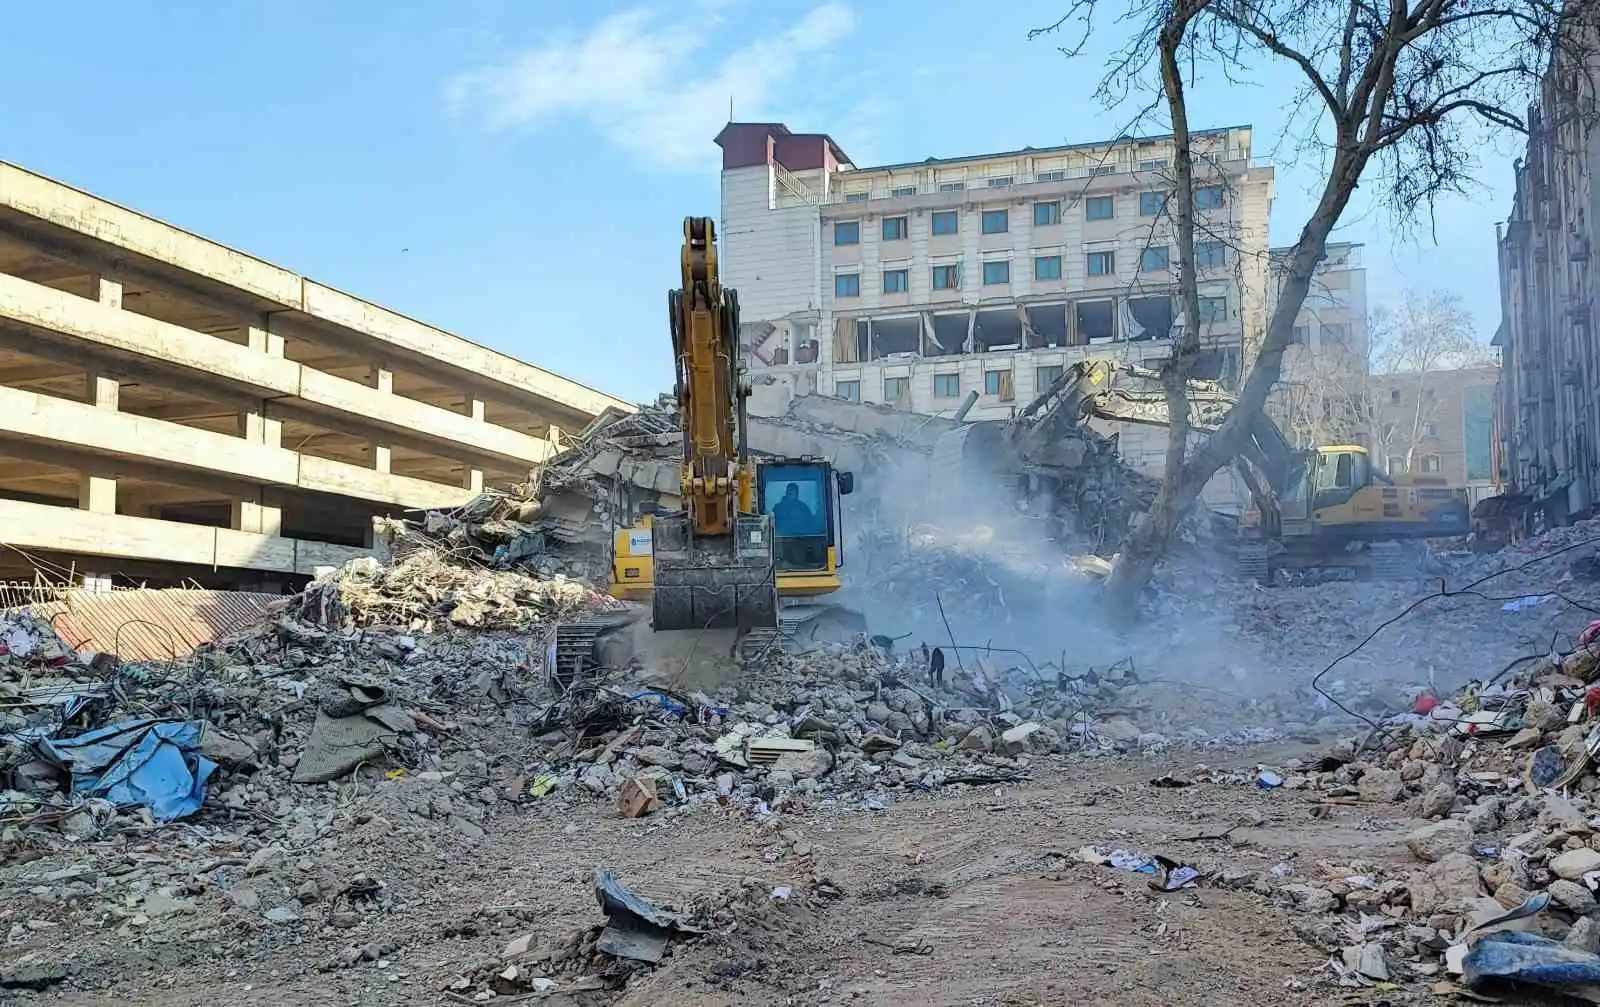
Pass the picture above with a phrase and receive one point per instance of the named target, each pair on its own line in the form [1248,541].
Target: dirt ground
[983,882]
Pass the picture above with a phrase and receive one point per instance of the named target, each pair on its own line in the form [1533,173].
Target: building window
[996,221]
[1150,203]
[896,390]
[1213,309]
[1430,430]
[995,273]
[1432,463]
[847,232]
[1397,464]
[1336,333]
[1302,335]
[1000,182]
[946,277]
[1057,175]
[1047,267]
[1046,376]
[857,197]
[847,284]
[952,186]
[1154,260]
[850,391]
[947,386]
[945,222]
[1099,208]
[1102,263]
[1208,198]
[896,281]
[1153,164]
[902,191]
[1210,255]
[894,229]
[1394,396]
[1047,214]
[997,383]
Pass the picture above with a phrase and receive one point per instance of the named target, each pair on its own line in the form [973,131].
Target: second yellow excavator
[749,536]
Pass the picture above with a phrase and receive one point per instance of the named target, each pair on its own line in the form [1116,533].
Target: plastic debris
[1528,958]
[635,929]
[142,763]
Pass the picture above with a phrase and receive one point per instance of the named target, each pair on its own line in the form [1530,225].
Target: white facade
[918,283]
[915,284]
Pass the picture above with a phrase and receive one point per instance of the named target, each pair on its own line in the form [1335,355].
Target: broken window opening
[1049,322]
[949,334]
[1097,322]
[1148,317]
[896,335]
[997,330]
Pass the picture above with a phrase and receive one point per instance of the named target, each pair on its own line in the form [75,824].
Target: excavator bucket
[716,583]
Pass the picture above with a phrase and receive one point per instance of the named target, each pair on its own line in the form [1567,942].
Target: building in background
[1321,396]
[1549,337]
[916,284]
[1437,423]
[172,410]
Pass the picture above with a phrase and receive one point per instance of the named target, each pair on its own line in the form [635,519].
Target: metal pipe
[966,406]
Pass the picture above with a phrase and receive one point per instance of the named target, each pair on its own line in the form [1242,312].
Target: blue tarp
[152,764]
[1529,958]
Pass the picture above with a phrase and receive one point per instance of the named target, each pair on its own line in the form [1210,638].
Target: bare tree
[1325,401]
[1410,344]
[1398,95]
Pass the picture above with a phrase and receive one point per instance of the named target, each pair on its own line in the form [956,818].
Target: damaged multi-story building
[926,283]
[1548,409]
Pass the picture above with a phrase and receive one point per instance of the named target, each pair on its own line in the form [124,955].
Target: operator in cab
[791,514]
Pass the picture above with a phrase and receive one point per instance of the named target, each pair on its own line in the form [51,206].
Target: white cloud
[641,82]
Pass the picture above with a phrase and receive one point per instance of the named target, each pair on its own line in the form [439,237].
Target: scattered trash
[635,929]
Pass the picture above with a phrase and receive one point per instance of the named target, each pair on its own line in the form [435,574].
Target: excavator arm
[1269,463]
[713,559]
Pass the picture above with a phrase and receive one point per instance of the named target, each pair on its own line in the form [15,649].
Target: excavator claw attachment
[713,588]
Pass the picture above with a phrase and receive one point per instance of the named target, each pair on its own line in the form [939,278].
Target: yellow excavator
[751,539]
[1321,507]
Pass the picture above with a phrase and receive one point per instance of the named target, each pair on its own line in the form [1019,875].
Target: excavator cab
[801,496]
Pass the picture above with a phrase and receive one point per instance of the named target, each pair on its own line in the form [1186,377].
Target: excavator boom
[713,560]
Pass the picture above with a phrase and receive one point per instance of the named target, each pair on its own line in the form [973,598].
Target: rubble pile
[406,666]
[1505,858]
[563,520]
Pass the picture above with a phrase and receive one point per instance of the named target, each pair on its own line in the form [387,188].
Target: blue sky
[517,172]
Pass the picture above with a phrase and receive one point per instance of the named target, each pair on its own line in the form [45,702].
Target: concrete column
[97,493]
[472,478]
[254,516]
[382,456]
[381,378]
[257,427]
[106,290]
[262,339]
[101,391]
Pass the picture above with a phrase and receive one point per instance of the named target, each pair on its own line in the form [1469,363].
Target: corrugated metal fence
[140,624]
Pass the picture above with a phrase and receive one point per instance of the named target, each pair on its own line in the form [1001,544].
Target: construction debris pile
[1507,862]
[623,464]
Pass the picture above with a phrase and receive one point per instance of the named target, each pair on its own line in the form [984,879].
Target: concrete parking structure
[172,409]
